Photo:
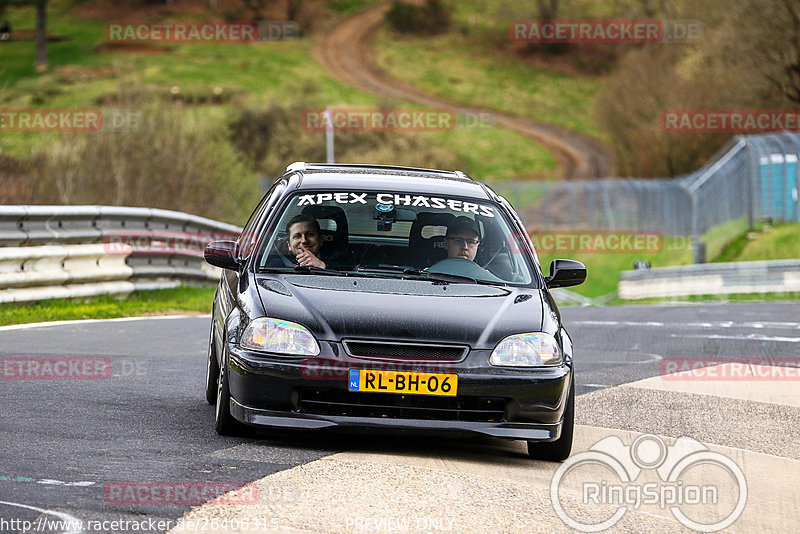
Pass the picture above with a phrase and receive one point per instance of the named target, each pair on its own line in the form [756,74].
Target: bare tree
[41,27]
[763,37]
[548,9]
[257,7]
[40,63]
[789,57]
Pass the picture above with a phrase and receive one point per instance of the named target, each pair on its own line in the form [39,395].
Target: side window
[249,236]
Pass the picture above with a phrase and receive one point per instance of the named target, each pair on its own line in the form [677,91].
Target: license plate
[402,382]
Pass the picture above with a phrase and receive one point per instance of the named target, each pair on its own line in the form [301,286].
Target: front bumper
[313,394]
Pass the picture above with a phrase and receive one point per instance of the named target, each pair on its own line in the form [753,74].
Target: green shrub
[173,157]
[272,136]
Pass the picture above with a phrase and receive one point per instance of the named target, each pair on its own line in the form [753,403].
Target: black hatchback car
[391,299]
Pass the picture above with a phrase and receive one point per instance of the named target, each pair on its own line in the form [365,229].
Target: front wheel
[212,370]
[558,450]
[224,422]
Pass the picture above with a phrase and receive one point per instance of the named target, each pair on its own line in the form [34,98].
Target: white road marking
[53,482]
[744,337]
[616,323]
[86,321]
[653,358]
[69,520]
[700,324]
[597,385]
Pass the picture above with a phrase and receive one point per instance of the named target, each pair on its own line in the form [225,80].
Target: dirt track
[346,51]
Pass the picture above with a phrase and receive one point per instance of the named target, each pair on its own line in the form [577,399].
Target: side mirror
[565,273]
[222,254]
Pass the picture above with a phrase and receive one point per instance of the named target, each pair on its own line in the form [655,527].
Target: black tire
[558,450]
[212,370]
[224,422]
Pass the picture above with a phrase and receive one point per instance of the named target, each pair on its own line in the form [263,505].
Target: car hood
[336,308]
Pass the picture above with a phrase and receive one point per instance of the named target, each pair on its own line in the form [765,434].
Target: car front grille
[324,401]
[404,351]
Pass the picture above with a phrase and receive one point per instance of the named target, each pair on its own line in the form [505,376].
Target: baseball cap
[463,223]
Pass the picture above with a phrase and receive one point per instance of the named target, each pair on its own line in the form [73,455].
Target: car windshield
[396,235]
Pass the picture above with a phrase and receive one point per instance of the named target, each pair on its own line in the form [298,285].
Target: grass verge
[732,241]
[457,67]
[768,242]
[604,268]
[182,299]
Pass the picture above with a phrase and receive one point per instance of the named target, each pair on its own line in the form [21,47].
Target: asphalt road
[66,441]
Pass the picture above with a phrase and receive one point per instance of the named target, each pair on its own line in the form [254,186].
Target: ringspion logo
[688,478]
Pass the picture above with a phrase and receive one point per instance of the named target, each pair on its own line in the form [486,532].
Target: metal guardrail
[44,225]
[752,177]
[69,251]
[774,276]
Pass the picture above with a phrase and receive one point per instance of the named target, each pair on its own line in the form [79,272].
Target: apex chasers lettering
[398,199]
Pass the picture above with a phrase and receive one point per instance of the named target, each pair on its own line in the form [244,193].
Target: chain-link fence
[752,176]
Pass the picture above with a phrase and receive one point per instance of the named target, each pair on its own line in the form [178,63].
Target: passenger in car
[304,240]
[462,238]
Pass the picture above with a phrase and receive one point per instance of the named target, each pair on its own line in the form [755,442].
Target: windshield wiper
[303,269]
[458,278]
[437,277]
[390,270]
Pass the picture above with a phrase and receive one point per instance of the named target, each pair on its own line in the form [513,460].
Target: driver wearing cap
[462,238]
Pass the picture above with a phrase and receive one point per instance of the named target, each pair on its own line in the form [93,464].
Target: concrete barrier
[76,251]
[775,276]
[61,264]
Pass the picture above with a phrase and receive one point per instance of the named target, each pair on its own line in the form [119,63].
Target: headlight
[535,349]
[279,336]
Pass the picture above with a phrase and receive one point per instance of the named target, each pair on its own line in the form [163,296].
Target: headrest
[339,236]
[427,218]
